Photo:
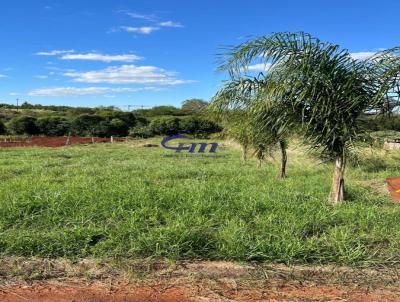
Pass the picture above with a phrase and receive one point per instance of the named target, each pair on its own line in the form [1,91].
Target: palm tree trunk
[282,172]
[244,152]
[337,190]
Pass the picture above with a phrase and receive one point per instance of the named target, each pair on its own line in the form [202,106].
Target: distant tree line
[168,125]
[31,119]
[382,123]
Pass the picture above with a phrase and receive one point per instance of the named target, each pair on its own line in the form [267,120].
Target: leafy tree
[127,117]
[53,126]
[89,125]
[165,125]
[141,121]
[194,105]
[23,125]
[141,132]
[118,127]
[318,86]
[198,126]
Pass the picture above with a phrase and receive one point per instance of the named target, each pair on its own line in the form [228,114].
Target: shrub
[193,125]
[127,117]
[23,125]
[199,127]
[89,125]
[118,127]
[381,123]
[141,132]
[141,121]
[53,126]
[165,125]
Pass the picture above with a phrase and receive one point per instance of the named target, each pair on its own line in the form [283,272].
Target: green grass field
[114,200]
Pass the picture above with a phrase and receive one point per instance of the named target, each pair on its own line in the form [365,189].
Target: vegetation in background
[108,121]
[53,125]
[23,125]
[194,105]
[189,125]
[3,129]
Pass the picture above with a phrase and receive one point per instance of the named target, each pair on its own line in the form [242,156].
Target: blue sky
[159,52]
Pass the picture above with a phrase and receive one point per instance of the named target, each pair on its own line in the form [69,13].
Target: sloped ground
[88,281]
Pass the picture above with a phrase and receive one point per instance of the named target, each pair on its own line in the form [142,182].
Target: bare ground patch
[89,280]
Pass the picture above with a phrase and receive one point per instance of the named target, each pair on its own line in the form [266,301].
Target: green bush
[118,127]
[128,118]
[53,126]
[141,132]
[381,123]
[199,127]
[87,124]
[165,125]
[23,125]
[100,125]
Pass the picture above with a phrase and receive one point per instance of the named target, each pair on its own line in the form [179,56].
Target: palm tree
[239,102]
[316,85]
[238,127]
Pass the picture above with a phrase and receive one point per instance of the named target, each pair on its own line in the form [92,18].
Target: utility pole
[17,104]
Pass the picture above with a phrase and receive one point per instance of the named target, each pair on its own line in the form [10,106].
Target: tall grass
[117,201]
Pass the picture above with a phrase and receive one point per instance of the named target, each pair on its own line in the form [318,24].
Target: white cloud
[170,24]
[259,67]
[154,23]
[54,52]
[140,30]
[134,15]
[41,76]
[75,91]
[128,74]
[362,55]
[101,57]
[2,76]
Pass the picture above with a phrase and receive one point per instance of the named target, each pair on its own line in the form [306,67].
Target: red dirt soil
[90,280]
[394,187]
[52,280]
[59,141]
[165,292]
